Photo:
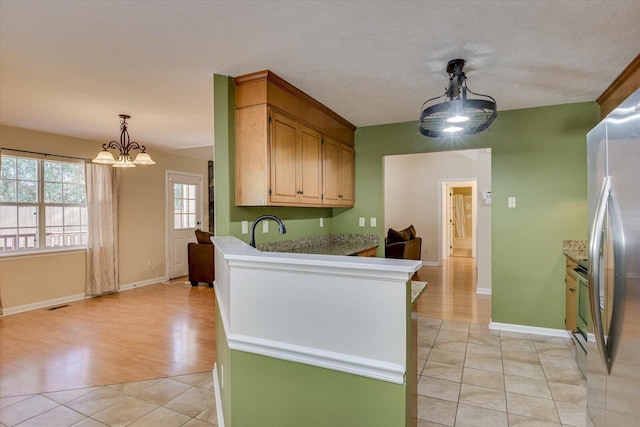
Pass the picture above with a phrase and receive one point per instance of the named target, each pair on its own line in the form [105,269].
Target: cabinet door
[284,186]
[571,300]
[346,184]
[331,155]
[310,166]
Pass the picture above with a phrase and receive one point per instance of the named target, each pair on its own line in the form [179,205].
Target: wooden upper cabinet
[338,173]
[284,160]
[310,166]
[279,146]
[624,85]
[347,172]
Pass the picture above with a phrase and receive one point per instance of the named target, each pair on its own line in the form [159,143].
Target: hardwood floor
[161,330]
[150,332]
[451,294]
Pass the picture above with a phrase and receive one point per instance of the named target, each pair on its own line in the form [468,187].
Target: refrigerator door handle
[607,203]
[595,244]
[619,278]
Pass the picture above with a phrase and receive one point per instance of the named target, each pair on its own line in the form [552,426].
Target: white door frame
[444,228]
[169,218]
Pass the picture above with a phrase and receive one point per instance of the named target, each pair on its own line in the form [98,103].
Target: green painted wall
[223,368]
[539,156]
[300,222]
[273,392]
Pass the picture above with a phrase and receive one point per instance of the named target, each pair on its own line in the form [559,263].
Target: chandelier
[124,146]
[457,115]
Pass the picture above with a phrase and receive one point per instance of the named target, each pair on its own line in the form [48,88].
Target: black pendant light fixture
[457,115]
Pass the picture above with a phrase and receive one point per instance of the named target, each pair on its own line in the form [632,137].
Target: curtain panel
[102,246]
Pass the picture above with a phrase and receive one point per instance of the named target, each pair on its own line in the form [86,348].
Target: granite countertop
[333,244]
[417,288]
[575,249]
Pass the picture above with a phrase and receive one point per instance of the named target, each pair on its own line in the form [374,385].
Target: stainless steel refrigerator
[613,349]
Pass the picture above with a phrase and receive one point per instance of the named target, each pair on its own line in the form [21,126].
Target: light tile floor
[186,400]
[469,375]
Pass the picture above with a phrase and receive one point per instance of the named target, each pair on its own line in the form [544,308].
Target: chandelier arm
[113,145]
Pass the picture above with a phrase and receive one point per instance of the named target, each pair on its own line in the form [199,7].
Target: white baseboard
[483,291]
[71,298]
[42,304]
[143,283]
[216,389]
[431,263]
[510,327]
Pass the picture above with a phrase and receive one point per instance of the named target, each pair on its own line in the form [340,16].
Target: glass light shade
[143,159]
[450,129]
[124,162]
[104,158]
[458,119]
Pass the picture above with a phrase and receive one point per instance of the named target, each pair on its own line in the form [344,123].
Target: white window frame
[41,206]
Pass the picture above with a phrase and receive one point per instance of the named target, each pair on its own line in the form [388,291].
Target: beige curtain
[458,205]
[102,246]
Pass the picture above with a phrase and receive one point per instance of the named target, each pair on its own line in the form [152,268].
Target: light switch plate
[321,222]
[511,202]
[361,221]
[245,227]
[265,226]
[373,222]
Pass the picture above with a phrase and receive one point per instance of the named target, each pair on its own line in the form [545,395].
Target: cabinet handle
[572,289]
[340,196]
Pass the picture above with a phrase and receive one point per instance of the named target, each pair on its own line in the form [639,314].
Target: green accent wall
[538,156]
[274,392]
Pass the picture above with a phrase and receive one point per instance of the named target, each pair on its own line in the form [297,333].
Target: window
[43,204]
[184,206]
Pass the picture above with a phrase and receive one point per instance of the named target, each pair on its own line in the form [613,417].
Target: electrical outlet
[373,222]
[511,202]
[361,222]
[245,227]
[321,222]
[265,226]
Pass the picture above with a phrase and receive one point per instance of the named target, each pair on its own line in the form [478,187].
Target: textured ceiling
[70,67]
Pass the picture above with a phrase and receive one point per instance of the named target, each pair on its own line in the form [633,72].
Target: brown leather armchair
[403,244]
[201,260]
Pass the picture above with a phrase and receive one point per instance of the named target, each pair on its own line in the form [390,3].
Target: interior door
[184,213]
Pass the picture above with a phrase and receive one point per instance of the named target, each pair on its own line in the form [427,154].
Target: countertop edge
[235,249]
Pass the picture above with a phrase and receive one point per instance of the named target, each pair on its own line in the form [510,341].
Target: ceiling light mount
[457,115]
[124,147]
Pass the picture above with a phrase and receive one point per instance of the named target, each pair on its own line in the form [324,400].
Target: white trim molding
[77,297]
[510,327]
[431,263]
[142,283]
[216,389]
[371,368]
[42,304]
[483,291]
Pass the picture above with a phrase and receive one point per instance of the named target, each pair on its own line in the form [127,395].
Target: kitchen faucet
[281,228]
